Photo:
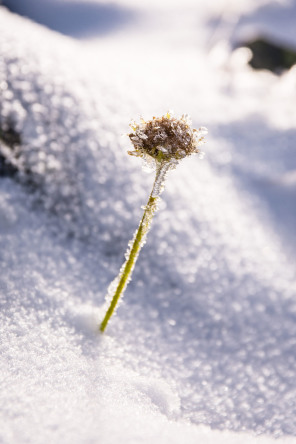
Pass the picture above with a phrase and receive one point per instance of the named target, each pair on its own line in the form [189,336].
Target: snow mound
[202,348]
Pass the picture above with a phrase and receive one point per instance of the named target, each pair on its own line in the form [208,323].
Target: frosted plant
[162,142]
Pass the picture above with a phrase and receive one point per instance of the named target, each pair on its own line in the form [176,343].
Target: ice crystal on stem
[162,142]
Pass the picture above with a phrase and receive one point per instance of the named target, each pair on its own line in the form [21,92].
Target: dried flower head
[166,138]
[162,142]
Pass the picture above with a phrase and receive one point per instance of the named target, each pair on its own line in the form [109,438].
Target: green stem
[137,243]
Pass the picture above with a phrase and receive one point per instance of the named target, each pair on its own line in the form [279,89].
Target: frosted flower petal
[166,138]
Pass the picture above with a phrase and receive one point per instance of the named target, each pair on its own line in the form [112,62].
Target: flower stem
[136,244]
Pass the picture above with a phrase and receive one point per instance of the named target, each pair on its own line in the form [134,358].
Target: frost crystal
[166,138]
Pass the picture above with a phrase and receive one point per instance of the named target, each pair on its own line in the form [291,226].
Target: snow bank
[206,333]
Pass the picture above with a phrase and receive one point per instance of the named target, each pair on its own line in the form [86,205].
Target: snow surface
[203,346]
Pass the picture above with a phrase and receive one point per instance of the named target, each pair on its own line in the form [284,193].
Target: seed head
[166,138]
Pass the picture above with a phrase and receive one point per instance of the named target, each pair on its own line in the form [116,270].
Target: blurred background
[265,27]
[219,62]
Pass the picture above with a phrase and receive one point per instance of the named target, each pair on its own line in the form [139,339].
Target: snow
[202,348]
